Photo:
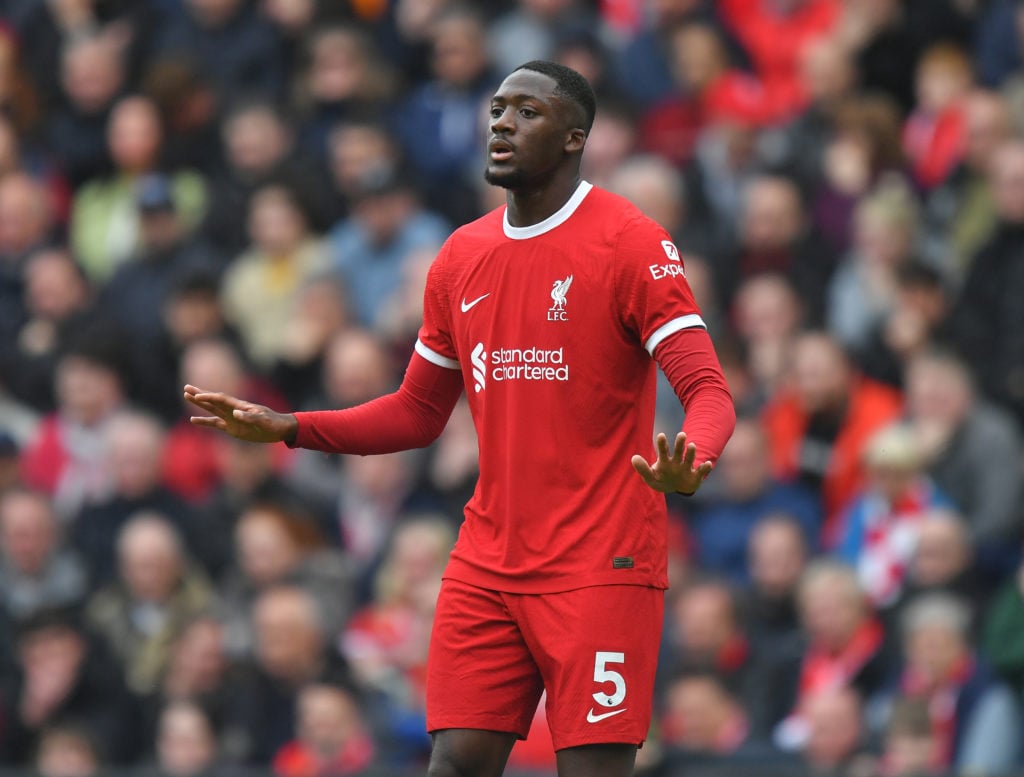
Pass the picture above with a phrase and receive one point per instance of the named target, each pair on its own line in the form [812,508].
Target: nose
[502,123]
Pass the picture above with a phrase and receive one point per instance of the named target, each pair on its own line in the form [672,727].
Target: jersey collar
[560,216]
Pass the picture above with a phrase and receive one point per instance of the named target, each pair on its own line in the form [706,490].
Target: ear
[575,141]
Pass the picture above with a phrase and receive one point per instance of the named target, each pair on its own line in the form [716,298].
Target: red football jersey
[553,326]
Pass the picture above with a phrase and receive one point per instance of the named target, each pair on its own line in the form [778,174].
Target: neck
[531,206]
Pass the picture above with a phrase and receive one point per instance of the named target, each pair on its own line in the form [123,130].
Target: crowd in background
[245,196]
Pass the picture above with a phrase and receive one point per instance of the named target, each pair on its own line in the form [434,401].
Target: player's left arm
[688,360]
[658,306]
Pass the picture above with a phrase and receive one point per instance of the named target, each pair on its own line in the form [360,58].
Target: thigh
[469,753]
[596,761]
[480,674]
[597,650]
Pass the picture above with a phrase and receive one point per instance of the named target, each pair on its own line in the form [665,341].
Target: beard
[506,179]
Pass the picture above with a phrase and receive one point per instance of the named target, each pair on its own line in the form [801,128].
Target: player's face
[532,131]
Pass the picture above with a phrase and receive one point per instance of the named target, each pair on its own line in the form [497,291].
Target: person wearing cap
[388,226]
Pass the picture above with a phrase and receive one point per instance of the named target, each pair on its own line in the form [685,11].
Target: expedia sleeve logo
[675,267]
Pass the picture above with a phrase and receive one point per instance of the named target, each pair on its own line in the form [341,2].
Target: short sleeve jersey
[553,327]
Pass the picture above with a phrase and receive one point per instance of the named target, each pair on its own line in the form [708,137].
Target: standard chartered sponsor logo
[479,368]
[508,364]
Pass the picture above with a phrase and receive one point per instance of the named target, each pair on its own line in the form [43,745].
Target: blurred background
[246,196]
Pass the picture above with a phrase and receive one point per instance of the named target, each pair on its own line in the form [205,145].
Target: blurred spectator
[997,50]
[92,75]
[165,250]
[863,290]
[611,141]
[829,76]
[974,717]
[708,89]
[188,104]
[106,212]
[778,554]
[370,248]
[358,150]
[775,35]
[132,458]
[440,122]
[643,69]
[844,646]
[935,134]
[766,314]
[66,456]
[918,320]
[66,751]
[453,464]
[386,642]
[186,743]
[818,426]
[531,29]
[705,726]
[943,561]
[661,193]
[262,285]
[199,673]
[157,593]
[722,527]
[961,210]
[345,78]
[273,546]
[19,97]
[973,449]
[704,632]
[987,315]
[292,651]
[36,571]
[237,48]
[65,678]
[880,525]
[26,220]
[1003,631]
[775,235]
[863,148]
[260,150]
[57,302]
[332,735]
[836,740]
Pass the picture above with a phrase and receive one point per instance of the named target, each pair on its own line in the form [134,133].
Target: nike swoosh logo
[467,305]
[592,718]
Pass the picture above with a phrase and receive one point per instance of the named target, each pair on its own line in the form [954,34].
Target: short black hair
[570,84]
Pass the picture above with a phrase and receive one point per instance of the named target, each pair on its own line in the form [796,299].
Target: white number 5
[603,675]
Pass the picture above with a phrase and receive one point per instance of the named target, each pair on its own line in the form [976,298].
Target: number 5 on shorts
[604,675]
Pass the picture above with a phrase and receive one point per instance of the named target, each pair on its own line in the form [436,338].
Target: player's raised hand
[674,471]
[241,419]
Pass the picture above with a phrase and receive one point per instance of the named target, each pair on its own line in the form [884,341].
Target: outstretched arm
[688,360]
[411,417]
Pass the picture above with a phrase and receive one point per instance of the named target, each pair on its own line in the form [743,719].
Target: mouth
[500,150]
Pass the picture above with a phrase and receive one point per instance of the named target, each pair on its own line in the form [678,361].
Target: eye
[528,113]
[495,112]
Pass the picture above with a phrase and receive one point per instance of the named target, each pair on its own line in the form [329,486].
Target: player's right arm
[411,417]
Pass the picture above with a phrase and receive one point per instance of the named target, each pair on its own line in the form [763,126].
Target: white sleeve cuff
[435,358]
[673,326]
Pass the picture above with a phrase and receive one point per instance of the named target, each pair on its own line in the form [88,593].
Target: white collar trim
[560,216]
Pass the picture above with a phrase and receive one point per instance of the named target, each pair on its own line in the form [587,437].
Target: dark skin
[535,144]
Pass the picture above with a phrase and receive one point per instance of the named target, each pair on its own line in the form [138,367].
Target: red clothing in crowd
[871,406]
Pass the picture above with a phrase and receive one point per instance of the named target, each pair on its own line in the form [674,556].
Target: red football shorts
[594,649]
